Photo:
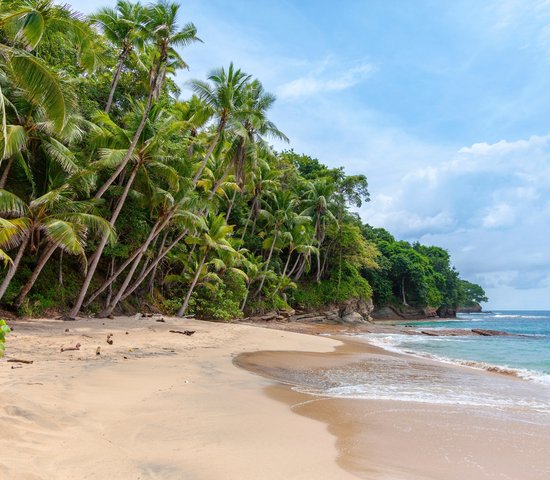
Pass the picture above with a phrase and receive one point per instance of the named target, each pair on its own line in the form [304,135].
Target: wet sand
[385,439]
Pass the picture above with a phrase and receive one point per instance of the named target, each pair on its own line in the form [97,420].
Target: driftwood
[186,332]
[18,360]
[68,349]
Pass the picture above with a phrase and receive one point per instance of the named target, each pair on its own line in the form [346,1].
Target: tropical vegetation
[117,194]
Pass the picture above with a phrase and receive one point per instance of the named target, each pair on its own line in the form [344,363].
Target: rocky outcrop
[473,309]
[353,311]
[404,313]
[446,312]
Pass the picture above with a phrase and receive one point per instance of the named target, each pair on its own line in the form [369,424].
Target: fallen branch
[18,360]
[186,332]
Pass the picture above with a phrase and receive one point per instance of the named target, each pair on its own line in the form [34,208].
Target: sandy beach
[161,405]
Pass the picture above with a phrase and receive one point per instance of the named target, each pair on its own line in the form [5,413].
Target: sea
[526,351]
[508,373]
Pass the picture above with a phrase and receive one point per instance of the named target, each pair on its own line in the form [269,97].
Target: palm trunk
[151,283]
[13,266]
[157,260]
[110,291]
[116,78]
[294,266]
[219,182]
[152,235]
[183,307]
[153,87]
[287,263]
[92,268]
[5,173]
[219,130]
[403,291]
[246,224]
[318,277]
[267,262]
[131,149]
[46,254]
[245,298]
[300,269]
[230,207]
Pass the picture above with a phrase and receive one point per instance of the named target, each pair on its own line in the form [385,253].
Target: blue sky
[445,106]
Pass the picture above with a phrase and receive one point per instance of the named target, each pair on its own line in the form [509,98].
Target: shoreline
[160,405]
[471,442]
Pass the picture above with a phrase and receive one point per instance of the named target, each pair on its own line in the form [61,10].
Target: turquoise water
[410,378]
[527,351]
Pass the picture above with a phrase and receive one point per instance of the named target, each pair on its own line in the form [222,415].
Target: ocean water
[520,363]
[526,351]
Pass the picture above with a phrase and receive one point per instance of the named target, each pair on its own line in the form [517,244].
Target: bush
[4,330]
[341,286]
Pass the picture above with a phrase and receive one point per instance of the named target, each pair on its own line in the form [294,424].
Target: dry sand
[159,405]
[175,408]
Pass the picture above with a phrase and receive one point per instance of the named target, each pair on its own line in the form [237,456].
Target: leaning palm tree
[124,28]
[63,221]
[165,34]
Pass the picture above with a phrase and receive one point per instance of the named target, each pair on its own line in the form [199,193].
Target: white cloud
[320,80]
[498,216]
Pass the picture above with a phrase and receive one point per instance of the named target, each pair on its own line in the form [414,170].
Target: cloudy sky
[445,106]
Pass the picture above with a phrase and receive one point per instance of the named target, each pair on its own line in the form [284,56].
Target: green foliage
[339,287]
[4,330]
[220,301]
[473,294]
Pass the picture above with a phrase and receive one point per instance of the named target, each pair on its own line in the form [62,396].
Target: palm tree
[124,28]
[213,239]
[280,213]
[319,203]
[162,26]
[62,220]
[224,95]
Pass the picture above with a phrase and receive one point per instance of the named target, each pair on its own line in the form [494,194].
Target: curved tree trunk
[243,304]
[152,235]
[13,266]
[130,152]
[246,224]
[46,254]
[230,207]
[92,268]
[219,130]
[116,78]
[294,266]
[153,264]
[258,291]
[6,173]
[185,303]
[287,262]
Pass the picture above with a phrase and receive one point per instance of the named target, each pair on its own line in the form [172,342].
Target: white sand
[176,408]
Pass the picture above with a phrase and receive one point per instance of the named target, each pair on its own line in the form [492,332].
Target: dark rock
[446,312]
